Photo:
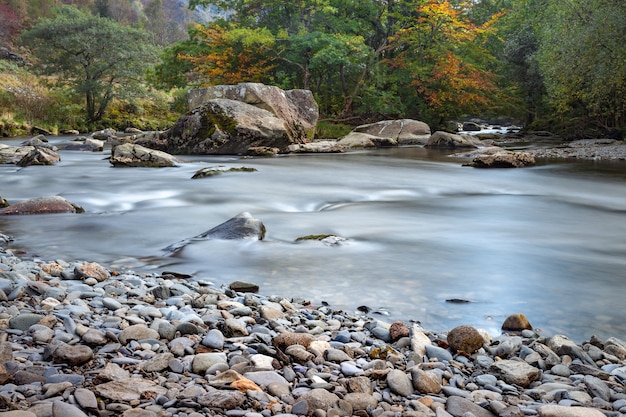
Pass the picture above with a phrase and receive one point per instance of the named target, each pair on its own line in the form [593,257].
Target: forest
[557,65]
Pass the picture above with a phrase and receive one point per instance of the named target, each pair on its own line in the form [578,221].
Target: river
[548,241]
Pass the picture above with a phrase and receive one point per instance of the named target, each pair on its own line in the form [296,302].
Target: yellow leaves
[454,81]
[234,54]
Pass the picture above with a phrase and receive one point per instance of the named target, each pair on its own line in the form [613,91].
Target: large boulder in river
[387,133]
[39,156]
[441,139]
[241,227]
[44,205]
[231,120]
[297,108]
[10,154]
[132,155]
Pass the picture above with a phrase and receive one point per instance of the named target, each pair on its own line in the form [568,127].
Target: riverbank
[79,339]
[551,146]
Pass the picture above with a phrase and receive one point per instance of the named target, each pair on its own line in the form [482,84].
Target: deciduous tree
[99,57]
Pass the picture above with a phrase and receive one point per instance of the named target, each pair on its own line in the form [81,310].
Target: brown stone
[283,340]
[44,205]
[398,330]
[465,339]
[73,355]
[516,322]
[92,270]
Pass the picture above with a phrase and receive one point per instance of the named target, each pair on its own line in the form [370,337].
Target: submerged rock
[242,226]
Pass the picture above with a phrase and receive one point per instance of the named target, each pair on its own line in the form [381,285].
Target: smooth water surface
[547,241]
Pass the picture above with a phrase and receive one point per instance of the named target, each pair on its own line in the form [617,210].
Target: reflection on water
[548,241]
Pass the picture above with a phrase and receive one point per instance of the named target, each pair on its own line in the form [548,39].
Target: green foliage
[331,130]
[98,57]
[583,59]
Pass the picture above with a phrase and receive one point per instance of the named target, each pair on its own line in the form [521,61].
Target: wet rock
[242,226]
[132,155]
[465,339]
[44,205]
[516,322]
[39,156]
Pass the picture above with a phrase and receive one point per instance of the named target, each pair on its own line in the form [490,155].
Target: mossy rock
[211,172]
[329,239]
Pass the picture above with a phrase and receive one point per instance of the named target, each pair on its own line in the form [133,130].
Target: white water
[547,241]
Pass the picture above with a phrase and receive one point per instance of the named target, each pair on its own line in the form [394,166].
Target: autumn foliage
[229,57]
[443,53]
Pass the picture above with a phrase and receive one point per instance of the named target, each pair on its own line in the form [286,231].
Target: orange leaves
[443,52]
[230,59]
[454,81]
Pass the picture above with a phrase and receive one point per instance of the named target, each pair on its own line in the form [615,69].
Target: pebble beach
[78,339]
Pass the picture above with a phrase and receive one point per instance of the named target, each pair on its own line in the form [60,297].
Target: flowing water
[547,241]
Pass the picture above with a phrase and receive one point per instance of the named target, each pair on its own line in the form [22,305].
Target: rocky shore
[79,339]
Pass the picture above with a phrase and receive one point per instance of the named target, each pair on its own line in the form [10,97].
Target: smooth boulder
[241,227]
[448,140]
[44,205]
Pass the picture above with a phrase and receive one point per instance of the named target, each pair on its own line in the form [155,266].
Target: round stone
[465,339]
[73,355]
[137,332]
[399,383]
[516,322]
[214,339]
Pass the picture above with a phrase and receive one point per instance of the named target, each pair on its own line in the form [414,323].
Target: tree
[582,57]
[443,52]
[231,54]
[100,58]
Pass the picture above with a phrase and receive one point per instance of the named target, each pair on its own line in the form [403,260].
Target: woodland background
[558,65]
